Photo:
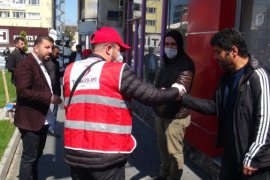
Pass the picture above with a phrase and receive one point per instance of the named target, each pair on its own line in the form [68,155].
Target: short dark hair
[41,38]
[78,46]
[55,47]
[17,39]
[228,38]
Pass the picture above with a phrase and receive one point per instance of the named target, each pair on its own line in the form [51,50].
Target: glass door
[255,25]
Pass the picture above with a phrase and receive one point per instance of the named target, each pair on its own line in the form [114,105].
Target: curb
[8,154]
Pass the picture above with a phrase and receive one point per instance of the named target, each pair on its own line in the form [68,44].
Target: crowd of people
[97,93]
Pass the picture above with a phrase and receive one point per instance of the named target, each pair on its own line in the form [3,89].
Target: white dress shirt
[78,56]
[49,115]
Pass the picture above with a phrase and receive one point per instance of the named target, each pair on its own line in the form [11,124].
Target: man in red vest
[97,135]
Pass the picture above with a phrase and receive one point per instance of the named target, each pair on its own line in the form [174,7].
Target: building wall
[104,19]
[203,24]
[157,16]
[9,33]
[88,9]
[44,20]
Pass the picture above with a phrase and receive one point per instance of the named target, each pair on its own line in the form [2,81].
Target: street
[143,164]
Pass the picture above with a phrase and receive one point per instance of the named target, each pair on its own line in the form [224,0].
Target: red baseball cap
[86,52]
[108,34]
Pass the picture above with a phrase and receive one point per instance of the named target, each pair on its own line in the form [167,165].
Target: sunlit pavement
[142,165]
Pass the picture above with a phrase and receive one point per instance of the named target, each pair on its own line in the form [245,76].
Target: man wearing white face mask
[97,134]
[173,119]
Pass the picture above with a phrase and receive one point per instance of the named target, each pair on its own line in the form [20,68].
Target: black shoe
[54,134]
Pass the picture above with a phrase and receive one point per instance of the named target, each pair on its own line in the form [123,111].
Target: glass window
[178,16]
[4,14]
[150,22]
[113,15]
[136,7]
[19,15]
[33,15]
[35,2]
[255,25]
[150,10]
[19,1]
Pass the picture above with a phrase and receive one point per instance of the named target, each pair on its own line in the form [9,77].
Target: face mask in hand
[171,53]
[120,58]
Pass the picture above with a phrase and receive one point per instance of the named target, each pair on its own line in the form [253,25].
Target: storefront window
[177,16]
[255,25]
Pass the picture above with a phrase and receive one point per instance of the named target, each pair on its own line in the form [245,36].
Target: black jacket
[180,70]
[251,116]
[53,69]
[72,57]
[130,87]
[13,60]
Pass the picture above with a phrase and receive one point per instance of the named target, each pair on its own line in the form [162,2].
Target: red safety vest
[98,118]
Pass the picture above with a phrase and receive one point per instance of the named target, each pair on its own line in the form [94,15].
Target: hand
[180,87]
[248,170]
[56,99]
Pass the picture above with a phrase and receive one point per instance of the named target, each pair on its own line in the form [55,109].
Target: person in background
[6,51]
[172,118]
[34,105]
[86,53]
[53,69]
[15,57]
[76,55]
[150,65]
[97,134]
[241,104]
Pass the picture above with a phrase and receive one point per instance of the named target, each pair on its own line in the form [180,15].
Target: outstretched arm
[204,106]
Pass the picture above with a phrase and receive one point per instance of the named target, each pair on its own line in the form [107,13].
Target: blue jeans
[53,121]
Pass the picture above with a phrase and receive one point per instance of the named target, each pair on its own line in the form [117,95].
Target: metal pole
[129,30]
[169,18]
[163,26]
[5,85]
[136,39]
[142,40]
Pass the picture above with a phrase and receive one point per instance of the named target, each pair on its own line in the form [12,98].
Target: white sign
[152,40]
[90,80]
[4,36]
[259,19]
[87,27]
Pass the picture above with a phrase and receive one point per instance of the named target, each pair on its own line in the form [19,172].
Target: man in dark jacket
[33,108]
[172,118]
[98,123]
[15,57]
[53,69]
[76,55]
[241,104]
[150,62]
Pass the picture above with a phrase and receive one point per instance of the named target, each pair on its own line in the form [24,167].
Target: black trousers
[33,145]
[115,172]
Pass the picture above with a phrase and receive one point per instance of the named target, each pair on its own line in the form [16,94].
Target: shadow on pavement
[145,157]
[52,164]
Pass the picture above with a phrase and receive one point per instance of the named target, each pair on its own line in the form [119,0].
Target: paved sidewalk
[142,165]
